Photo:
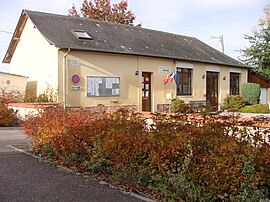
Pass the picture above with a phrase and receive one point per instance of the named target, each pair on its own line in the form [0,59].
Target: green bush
[175,105]
[179,106]
[234,102]
[251,92]
[257,108]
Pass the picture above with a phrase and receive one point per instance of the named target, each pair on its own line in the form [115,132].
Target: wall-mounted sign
[103,86]
[75,78]
[74,62]
[75,88]
[164,70]
[169,96]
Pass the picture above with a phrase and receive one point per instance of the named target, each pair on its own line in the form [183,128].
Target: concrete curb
[104,183]
[23,151]
[10,128]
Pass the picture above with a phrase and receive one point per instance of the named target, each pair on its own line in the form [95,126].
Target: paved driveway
[23,178]
[12,136]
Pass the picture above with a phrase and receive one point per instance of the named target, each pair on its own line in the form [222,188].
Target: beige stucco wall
[98,64]
[35,58]
[224,79]
[199,83]
[124,66]
[10,82]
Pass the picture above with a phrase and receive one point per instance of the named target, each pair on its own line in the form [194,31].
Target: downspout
[139,82]
[64,78]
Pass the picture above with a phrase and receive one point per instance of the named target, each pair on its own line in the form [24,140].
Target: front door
[146,91]
[212,90]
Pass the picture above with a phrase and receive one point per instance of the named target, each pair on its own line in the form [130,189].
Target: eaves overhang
[241,65]
[15,38]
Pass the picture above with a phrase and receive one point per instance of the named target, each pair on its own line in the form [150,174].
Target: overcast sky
[203,19]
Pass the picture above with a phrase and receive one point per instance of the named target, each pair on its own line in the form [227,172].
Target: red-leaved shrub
[212,152]
[8,117]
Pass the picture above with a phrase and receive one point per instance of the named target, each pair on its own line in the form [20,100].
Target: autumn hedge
[176,157]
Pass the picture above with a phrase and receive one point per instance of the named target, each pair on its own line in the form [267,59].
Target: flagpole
[169,97]
[169,105]
[170,77]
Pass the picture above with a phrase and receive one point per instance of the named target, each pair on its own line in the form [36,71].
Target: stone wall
[163,107]
[27,109]
[102,108]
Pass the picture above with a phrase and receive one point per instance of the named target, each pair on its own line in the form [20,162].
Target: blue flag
[176,77]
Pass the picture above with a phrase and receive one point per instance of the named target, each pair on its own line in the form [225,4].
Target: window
[234,83]
[81,34]
[184,81]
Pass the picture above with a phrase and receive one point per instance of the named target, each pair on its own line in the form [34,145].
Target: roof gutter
[241,65]
[64,78]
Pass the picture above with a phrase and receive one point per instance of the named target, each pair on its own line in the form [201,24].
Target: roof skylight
[81,34]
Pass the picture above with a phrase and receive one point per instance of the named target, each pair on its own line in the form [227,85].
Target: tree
[102,10]
[266,20]
[258,54]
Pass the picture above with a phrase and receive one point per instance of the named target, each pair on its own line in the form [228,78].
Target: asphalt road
[24,178]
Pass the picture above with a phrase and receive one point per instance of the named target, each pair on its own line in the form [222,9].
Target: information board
[103,86]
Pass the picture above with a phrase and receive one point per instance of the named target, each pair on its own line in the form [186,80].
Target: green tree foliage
[103,10]
[266,20]
[258,54]
[251,92]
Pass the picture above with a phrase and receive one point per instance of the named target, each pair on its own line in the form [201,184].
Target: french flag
[175,77]
[166,78]
[172,77]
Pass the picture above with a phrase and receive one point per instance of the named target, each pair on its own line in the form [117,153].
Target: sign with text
[75,88]
[164,70]
[74,62]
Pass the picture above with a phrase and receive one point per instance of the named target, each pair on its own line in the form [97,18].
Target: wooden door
[212,90]
[146,91]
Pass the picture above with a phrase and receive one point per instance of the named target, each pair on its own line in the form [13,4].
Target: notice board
[103,86]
